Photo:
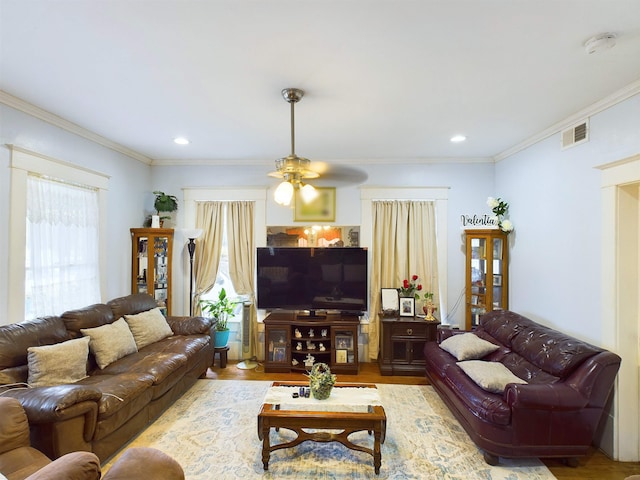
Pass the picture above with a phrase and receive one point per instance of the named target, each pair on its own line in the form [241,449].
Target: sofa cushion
[148,327]
[131,304]
[110,342]
[87,317]
[15,338]
[60,363]
[491,376]
[467,346]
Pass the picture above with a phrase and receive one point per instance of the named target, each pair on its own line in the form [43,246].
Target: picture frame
[322,209]
[344,342]
[279,354]
[341,356]
[389,300]
[407,307]
[497,280]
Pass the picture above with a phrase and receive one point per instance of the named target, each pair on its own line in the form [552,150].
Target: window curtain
[209,218]
[240,239]
[62,244]
[404,244]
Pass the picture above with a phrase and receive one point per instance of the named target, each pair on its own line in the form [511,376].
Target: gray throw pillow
[110,342]
[467,346]
[59,363]
[491,376]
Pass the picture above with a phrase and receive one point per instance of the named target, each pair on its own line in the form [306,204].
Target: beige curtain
[240,238]
[404,244]
[209,217]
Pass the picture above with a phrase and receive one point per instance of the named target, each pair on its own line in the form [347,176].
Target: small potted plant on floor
[219,309]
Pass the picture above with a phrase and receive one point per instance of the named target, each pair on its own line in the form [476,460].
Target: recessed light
[458,138]
[181,141]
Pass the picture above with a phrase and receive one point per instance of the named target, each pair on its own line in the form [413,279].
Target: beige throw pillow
[110,342]
[491,376]
[58,364]
[467,346]
[148,327]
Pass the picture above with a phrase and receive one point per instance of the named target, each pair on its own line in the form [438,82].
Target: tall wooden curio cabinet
[487,274]
[151,264]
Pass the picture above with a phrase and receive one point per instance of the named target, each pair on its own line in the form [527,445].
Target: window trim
[22,163]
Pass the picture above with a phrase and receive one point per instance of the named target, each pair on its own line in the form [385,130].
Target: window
[56,240]
[61,262]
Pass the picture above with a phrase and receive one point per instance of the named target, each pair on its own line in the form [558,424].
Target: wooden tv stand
[290,338]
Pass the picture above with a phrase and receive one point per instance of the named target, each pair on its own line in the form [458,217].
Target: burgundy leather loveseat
[555,414]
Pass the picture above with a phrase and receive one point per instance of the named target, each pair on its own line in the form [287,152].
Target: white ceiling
[385,79]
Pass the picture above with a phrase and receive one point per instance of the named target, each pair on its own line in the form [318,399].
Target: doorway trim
[620,311]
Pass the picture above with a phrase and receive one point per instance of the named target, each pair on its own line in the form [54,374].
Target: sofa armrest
[50,404]
[556,396]
[72,466]
[145,462]
[190,325]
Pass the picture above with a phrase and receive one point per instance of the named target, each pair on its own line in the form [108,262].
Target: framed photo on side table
[407,307]
[389,304]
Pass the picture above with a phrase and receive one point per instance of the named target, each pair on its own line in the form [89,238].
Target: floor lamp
[191,247]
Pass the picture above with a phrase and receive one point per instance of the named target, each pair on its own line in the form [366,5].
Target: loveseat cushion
[110,342]
[468,346]
[491,376]
[61,363]
[552,351]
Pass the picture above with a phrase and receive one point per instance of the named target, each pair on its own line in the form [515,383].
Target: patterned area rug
[212,432]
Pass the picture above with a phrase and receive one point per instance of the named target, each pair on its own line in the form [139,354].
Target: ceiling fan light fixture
[284,193]
[293,168]
[308,193]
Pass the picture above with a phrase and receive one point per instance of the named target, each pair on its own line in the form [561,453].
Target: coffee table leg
[377,454]
[266,447]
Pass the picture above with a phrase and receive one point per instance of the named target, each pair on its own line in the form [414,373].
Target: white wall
[129,192]
[555,203]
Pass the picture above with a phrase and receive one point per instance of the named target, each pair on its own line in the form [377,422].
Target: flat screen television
[312,279]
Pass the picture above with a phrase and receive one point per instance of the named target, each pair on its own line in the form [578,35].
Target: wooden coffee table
[272,416]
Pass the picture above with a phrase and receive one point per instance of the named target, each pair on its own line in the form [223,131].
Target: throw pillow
[110,342]
[491,376]
[148,327]
[467,346]
[59,363]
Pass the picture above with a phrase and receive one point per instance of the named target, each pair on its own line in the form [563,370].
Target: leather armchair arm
[190,325]
[72,466]
[556,397]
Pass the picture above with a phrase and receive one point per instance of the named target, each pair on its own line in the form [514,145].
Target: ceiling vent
[575,135]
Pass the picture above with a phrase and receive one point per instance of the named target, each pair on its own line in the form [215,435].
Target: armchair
[19,460]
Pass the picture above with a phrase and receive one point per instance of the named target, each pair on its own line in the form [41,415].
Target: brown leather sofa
[19,460]
[103,411]
[556,414]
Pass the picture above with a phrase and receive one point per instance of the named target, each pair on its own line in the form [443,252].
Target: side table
[402,342]
[223,356]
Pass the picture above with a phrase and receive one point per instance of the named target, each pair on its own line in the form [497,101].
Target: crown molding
[169,162]
[609,101]
[37,112]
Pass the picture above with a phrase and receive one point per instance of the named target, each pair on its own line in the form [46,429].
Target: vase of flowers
[410,288]
[321,381]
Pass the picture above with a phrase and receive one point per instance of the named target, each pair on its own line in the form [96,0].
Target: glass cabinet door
[486,282]
[277,344]
[151,264]
[344,347]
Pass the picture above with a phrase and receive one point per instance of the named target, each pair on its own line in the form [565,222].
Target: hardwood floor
[595,466]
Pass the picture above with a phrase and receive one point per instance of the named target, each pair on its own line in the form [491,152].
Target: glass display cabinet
[487,275]
[151,264]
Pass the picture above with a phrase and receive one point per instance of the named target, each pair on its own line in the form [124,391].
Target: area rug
[212,432]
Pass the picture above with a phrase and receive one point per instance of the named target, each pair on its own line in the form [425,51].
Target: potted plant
[164,203]
[219,309]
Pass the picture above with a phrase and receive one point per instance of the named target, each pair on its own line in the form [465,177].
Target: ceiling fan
[292,168]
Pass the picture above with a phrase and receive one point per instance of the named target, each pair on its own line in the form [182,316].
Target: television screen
[295,278]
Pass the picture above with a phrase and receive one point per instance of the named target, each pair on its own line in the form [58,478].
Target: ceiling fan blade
[339,174]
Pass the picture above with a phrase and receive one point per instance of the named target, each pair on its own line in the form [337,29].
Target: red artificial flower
[405,284]
[419,287]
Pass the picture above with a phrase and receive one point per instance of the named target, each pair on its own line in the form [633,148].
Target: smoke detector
[600,43]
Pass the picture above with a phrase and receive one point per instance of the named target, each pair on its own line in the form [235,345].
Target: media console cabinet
[291,339]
